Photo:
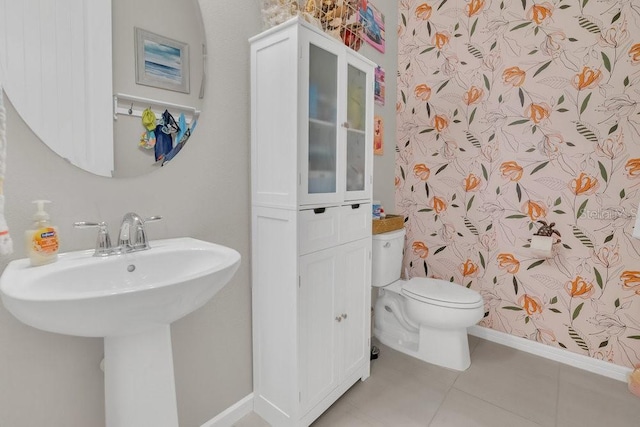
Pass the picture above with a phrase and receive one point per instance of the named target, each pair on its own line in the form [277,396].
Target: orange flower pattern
[631,281]
[438,204]
[473,95]
[633,167]
[509,263]
[474,7]
[587,79]
[538,112]
[584,185]
[579,288]
[530,304]
[634,53]
[511,170]
[420,249]
[423,12]
[422,92]
[422,171]
[514,76]
[440,123]
[530,117]
[472,183]
[440,40]
[469,268]
[540,12]
[535,210]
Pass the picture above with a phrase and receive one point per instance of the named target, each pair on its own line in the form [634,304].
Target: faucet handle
[141,233]
[103,243]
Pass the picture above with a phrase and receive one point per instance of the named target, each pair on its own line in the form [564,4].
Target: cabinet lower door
[317,333]
[355,301]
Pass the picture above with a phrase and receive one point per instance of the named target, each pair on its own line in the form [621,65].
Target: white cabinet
[311,160]
[311,119]
[333,319]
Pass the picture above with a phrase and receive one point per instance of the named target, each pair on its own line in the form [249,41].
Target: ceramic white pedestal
[139,382]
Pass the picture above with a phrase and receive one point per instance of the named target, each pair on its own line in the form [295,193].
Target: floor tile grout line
[445,398]
[435,414]
[498,406]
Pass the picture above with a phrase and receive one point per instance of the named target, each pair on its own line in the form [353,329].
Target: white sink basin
[130,300]
[121,294]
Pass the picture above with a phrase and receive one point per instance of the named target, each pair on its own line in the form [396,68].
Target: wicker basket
[389,223]
[338,18]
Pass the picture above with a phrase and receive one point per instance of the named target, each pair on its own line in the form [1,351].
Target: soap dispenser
[41,242]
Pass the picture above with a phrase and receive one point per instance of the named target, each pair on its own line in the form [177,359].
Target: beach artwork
[161,62]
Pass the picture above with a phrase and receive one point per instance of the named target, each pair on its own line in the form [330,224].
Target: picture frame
[372,21]
[379,87]
[161,62]
[378,135]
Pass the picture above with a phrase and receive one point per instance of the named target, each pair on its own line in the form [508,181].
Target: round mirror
[113,86]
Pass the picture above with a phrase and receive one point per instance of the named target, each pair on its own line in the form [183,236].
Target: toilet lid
[441,292]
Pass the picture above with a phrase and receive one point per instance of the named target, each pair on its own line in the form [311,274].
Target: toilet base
[447,348]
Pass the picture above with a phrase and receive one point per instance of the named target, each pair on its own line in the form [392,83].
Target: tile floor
[502,388]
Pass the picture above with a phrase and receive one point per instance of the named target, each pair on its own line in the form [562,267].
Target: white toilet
[421,317]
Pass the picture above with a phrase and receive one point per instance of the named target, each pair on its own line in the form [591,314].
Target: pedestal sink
[130,300]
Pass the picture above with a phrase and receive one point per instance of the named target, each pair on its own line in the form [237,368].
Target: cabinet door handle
[355,206]
[339,319]
[344,316]
[319,210]
[345,125]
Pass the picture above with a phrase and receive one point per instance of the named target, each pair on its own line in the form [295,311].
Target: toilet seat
[441,293]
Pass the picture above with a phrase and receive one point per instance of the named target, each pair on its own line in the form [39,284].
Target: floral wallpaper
[515,115]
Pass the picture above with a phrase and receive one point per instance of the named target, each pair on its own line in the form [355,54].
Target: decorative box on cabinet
[311,164]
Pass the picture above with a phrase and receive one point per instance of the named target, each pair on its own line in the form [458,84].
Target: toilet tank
[386,264]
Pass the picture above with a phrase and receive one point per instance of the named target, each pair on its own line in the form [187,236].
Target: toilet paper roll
[541,246]
[636,228]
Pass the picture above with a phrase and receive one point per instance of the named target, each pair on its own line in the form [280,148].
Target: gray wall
[384,166]
[55,380]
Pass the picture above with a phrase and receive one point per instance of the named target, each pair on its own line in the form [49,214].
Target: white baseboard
[232,414]
[579,361]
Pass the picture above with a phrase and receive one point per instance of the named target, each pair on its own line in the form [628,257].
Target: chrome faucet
[132,235]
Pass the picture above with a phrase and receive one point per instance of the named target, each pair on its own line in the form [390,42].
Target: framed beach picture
[161,62]
[372,21]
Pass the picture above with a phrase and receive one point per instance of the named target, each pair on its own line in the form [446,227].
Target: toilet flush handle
[387,245]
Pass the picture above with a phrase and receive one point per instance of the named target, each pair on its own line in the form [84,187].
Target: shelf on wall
[133,106]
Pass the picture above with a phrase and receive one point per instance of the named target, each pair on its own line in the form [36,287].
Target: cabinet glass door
[323,93]
[356,173]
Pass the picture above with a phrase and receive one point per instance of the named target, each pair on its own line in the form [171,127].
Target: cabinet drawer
[355,222]
[319,229]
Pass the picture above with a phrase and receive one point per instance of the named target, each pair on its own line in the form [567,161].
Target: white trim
[579,361]
[232,414]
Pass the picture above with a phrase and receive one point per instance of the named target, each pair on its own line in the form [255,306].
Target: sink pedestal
[139,382]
